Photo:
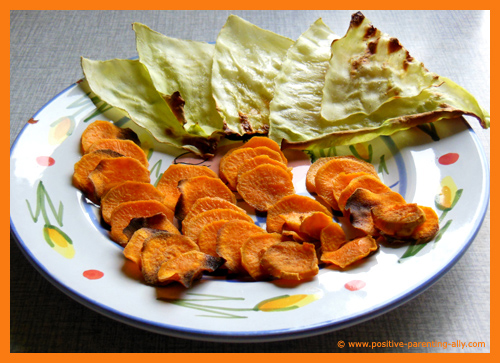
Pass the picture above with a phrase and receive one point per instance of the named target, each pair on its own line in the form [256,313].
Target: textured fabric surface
[45,52]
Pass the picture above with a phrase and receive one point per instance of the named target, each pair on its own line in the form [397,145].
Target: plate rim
[260,335]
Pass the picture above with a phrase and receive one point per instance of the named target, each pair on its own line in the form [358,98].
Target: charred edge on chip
[357,19]
[394,46]
[176,103]
[372,46]
[244,123]
[407,61]
[207,146]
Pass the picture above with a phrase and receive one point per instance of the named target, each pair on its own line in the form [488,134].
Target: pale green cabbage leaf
[246,61]
[181,71]
[295,111]
[127,85]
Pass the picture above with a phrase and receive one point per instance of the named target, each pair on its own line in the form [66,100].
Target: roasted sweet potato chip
[264,185]
[360,204]
[312,224]
[160,249]
[232,162]
[85,166]
[290,261]
[193,229]
[230,239]
[173,175]
[367,182]
[341,181]
[427,230]
[351,252]
[133,249]
[332,237]
[126,192]
[292,221]
[208,203]
[188,267]
[111,172]
[259,160]
[198,187]
[313,170]
[258,141]
[123,147]
[131,216]
[291,203]
[327,172]
[207,240]
[398,220]
[253,249]
[105,130]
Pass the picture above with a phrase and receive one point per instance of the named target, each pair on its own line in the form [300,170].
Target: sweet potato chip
[105,130]
[264,185]
[290,261]
[232,162]
[193,229]
[207,240]
[258,141]
[360,204]
[133,249]
[341,181]
[160,249]
[312,224]
[292,203]
[123,147]
[367,182]
[126,192]
[85,166]
[253,249]
[327,173]
[188,267]
[111,172]
[198,187]
[131,216]
[398,220]
[351,252]
[332,237]
[427,230]
[313,170]
[292,221]
[230,239]
[173,175]
[259,160]
[208,203]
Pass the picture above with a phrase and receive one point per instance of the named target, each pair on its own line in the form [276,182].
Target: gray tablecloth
[45,58]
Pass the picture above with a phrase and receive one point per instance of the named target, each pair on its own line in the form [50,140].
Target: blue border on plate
[260,335]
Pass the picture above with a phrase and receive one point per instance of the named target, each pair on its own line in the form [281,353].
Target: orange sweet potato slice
[327,173]
[173,175]
[208,203]
[313,170]
[332,237]
[360,204]
[131,216]
[313,223]
[133,249]
[198,187]
[427,230]
[105,130]
[126,192]
[207,240]
[123,147]
[230,239]
[398,220]
[232,162]
[253,249]
[160,249]
[341,181]
[85,166]
[260,160]
[351,252]
[111,172]
[292,203]
[187,268]
[290,261]
[258,141]
[193,229]
[367,182]
[264,185]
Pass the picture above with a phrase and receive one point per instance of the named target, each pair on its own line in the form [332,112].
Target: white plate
[418,163]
